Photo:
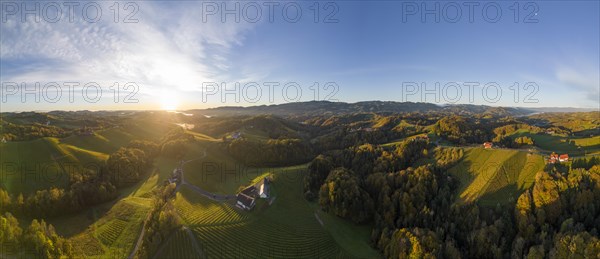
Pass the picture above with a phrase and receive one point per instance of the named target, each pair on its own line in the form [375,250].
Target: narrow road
[138,243]
[207,194]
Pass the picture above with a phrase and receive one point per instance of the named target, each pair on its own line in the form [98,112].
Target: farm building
[563,158]
[264,188]
[488,145]
[553,158]
[558,158]
[249,191]
[175,176]
[244,201]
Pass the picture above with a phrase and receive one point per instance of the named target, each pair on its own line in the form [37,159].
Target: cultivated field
[286,229]
[495,176]
[113,234]
[180,246]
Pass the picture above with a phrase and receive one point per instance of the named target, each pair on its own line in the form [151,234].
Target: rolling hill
[495,176]
[28,166]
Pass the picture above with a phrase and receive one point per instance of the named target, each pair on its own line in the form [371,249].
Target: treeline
[273,152]
[512,128]
[503,135]
[87,187]
[465,130]
[38,240]
[24,126]
[344,137]
[174,143]
[18,132]
[585,163]
[514,142]
[160,223]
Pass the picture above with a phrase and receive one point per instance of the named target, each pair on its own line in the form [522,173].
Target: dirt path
[138,243]
[319,219]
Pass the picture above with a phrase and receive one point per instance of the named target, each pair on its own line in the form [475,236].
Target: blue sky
[354,51]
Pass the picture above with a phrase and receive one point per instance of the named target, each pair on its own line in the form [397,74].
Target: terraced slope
[114,234]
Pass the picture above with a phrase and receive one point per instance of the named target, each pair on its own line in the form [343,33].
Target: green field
[354,239]
[563,144]
[28,166]
[495,176]
[218,172]
[109,140]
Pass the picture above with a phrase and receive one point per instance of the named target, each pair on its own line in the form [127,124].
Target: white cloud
[170,48]
[583,80]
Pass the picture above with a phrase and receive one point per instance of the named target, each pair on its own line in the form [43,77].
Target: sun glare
[168,100]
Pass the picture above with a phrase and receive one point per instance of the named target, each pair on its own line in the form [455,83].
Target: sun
[168,100]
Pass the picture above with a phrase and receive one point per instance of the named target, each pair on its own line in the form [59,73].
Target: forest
[414,213]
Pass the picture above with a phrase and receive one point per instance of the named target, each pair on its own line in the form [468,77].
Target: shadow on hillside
[587,132]
[74,224]
[502,196]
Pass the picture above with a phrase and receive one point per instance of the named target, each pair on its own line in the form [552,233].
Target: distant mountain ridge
[327,107]
[338,108]
[563,109]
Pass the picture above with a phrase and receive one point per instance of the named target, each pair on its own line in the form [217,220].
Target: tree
[150,148]
[5,200]
[341,194]
[43,239]
[126,166]
[579,245]
[10,232]
[318,170]
[413,243]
